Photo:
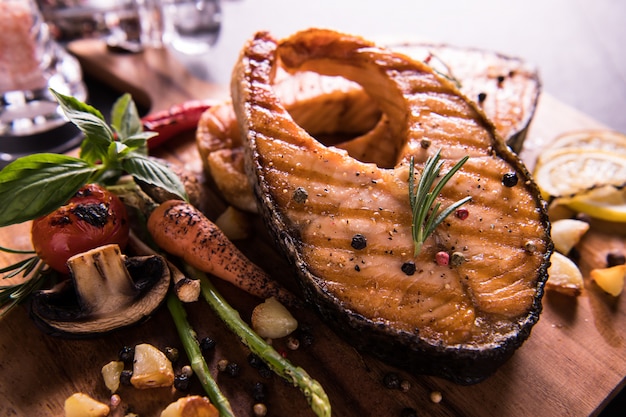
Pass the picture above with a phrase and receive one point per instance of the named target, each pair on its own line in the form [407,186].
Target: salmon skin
[345,221]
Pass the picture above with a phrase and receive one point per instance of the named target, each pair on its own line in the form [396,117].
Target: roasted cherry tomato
[92,218]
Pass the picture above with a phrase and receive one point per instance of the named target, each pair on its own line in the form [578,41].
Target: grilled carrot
[181,230]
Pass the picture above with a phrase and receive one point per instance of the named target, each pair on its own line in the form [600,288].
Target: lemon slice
[610,279]
[604,140]
[606,203]
[570,171]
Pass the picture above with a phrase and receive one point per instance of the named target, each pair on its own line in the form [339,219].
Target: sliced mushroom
[107,291]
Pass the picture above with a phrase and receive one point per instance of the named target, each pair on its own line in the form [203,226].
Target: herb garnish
[11,295]
[422,197]
[35,185]
[447,73]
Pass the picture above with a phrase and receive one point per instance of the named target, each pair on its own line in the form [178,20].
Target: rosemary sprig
[447,73]
[423,196]
[31,269]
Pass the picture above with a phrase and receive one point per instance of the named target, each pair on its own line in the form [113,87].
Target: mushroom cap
[88,304]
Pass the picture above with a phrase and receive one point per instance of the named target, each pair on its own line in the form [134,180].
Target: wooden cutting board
[572,365]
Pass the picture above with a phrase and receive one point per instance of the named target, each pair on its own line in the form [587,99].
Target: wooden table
[572,365]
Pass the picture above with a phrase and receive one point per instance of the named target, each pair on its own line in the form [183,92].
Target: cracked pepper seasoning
[462,213]
[408,267]
[300,195]
[442,258]
[509,179]
[358,241]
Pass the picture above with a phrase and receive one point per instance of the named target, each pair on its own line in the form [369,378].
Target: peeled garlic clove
[272,320]
[151,368]
[566,233]
[191,406]
[564,276]
[111,374]
[82,405]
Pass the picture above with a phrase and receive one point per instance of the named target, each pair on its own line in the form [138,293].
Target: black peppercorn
[509,179]
[125,377]
[391,380]
[232,369]
[171,354]
[614,259]
[265,372]
[256,362]
[207,344]
[127,354]
[181,382]
[408,267]
[482,97]
[258,392]
[300,195]
[359,242]
[306,337]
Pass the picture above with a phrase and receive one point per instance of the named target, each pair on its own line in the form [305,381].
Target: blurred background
[578,45]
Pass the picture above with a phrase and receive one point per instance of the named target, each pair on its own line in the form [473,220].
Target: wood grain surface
[572,364]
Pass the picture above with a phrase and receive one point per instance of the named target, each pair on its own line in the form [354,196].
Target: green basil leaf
[117,152]
[110,176]
[125,117]
[94,150]
[88,119]
[72,104]
[154,173]
[35,185]
[140,136]
[139,142]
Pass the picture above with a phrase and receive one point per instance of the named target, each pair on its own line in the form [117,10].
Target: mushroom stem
[102,281]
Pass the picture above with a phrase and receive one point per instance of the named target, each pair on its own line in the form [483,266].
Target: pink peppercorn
[462,213]
[442,258]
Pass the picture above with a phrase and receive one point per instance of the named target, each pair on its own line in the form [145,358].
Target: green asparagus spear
[312,390]
[198,364]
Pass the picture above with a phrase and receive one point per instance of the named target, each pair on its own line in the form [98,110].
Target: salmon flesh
[343,217]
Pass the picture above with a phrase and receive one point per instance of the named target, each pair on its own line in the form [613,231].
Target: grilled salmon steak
[506,88]
[344,219]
